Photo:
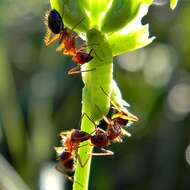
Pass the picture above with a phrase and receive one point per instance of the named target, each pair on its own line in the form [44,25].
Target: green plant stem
[94,97]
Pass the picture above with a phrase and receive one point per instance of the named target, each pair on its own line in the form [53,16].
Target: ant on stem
[67,40]
[67,153]
[117,116]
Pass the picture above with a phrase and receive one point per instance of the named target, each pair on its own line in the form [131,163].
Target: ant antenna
[71,179]
[113,103]
[95,54]
[77,23]
[85,114]
[104,117]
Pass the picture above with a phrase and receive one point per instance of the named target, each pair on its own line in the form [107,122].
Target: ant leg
[71,179]
[47,39]
[76,70]
[90,119]
[80,160]
[47,36]
[83,47]
[127,115]
[77,24]
[104,117]
[113,103]
[95,54]
[64,133]
[130,117]
[58,168]
[125,133]
[104,153]
[85,114]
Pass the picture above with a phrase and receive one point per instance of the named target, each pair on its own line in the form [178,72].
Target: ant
[67,40]
[67,153]
[115,121]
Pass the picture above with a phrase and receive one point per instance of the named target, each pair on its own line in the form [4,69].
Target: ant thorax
[78,136]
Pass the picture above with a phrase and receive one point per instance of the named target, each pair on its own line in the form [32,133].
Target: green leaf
[133,36]
[173,4]
[122,43]
[119,14]
[74,13]
[96,10]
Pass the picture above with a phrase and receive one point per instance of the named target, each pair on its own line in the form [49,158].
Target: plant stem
[94,97]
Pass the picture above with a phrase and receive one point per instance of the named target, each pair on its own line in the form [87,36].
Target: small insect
[67,153]
[116,121]
[119,113]
[67,40]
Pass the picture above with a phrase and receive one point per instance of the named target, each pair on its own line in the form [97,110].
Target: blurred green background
[38,100]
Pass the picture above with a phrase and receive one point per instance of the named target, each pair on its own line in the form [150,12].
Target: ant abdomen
[121,122]
[113,132]
[78,136]
[67,161]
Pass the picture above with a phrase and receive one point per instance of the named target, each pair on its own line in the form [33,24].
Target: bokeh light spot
[159,65]
[187,154]
[50,178]
[132,61]
[179,99]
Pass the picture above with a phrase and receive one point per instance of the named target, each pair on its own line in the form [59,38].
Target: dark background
[38,100]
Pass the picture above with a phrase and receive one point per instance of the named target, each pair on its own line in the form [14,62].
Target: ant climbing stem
[67,41]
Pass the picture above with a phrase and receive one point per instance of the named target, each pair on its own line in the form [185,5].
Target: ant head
[99,139]
[55,22]
[78,136]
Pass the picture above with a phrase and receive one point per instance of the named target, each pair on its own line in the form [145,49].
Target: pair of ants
[114,123]
[67,40]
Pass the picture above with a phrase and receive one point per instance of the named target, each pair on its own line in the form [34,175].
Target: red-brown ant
[68,151]
[115,121]
[67,40]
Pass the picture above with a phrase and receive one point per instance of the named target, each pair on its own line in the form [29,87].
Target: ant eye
[55,21]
